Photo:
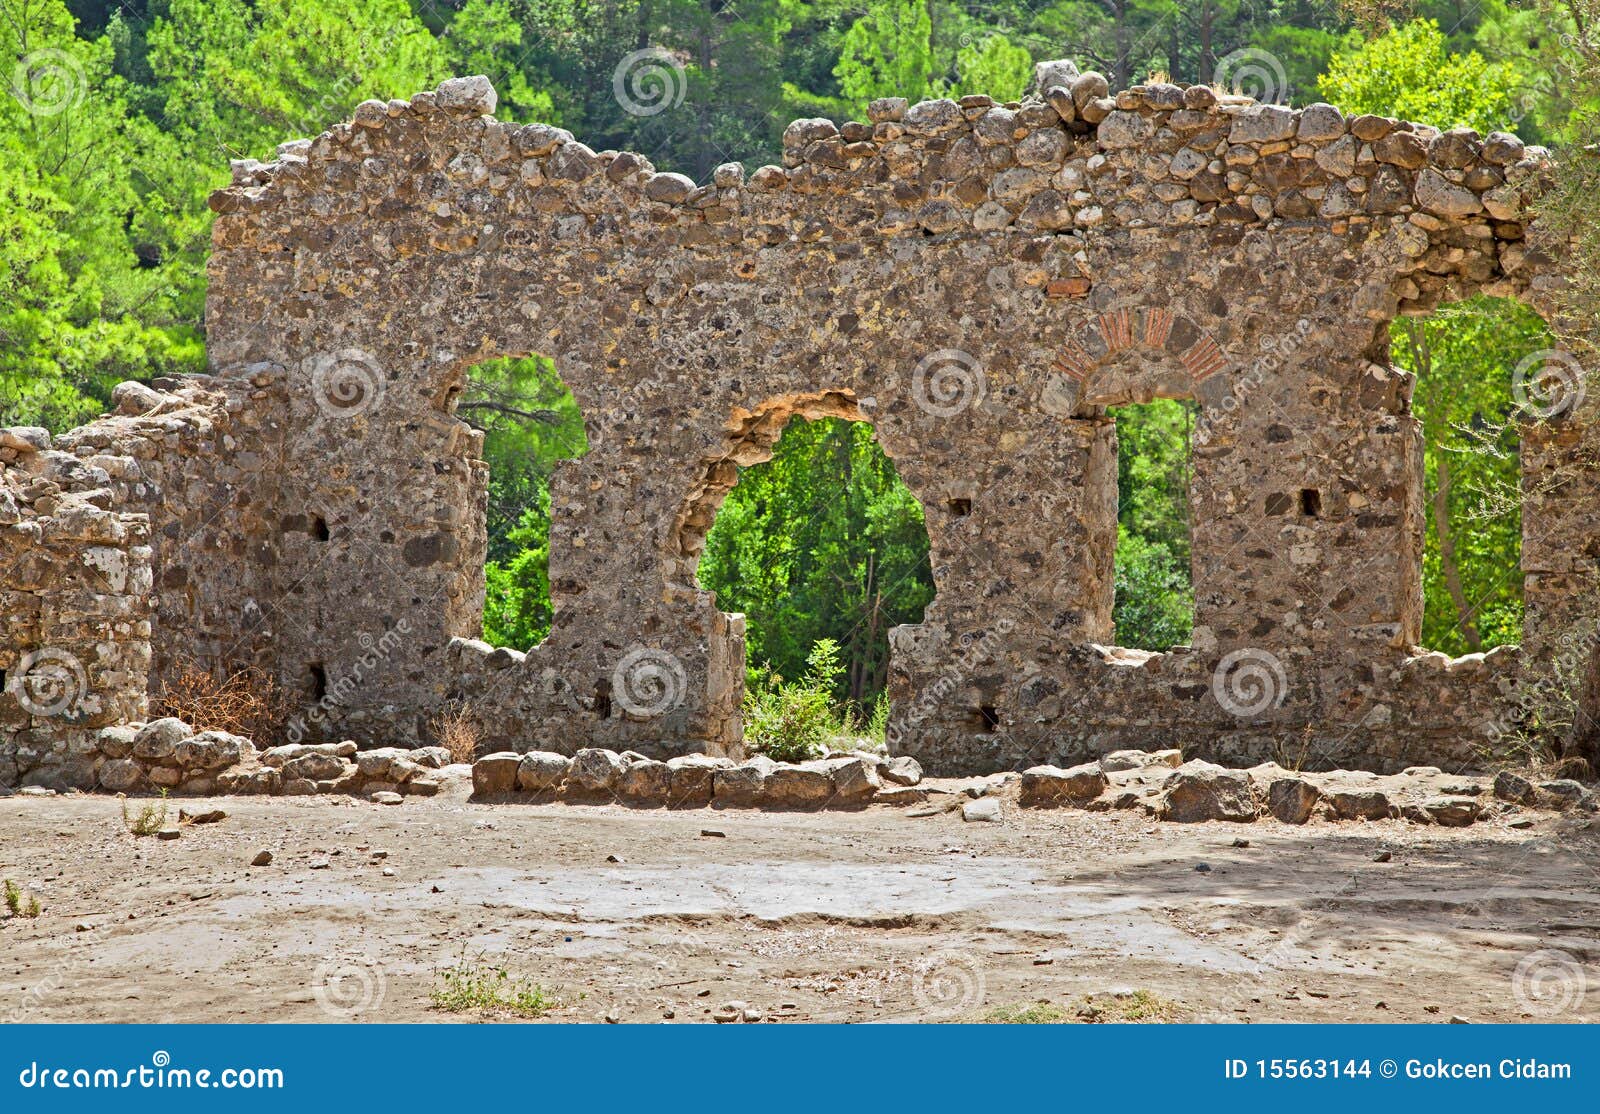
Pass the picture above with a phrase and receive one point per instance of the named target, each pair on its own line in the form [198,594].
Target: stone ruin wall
[980,282]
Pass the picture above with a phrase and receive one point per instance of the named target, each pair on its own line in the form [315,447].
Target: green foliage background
[104,234]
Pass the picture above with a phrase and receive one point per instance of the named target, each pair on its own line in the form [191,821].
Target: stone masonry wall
[980,282]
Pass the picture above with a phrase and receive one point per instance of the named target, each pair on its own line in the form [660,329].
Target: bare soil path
[875,915]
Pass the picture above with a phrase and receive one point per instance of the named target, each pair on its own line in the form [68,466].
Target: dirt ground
[645,916]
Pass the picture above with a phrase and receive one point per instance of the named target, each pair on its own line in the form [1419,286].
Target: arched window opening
[530,421]
[824,549]
[1482,366]
[1154,605]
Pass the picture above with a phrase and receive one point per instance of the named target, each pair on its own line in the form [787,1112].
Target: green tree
[822,542]
[89,299]
[1154,602]
[993,65]
[1410,72]
[888,52]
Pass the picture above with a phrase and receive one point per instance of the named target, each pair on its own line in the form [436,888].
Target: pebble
[982,810]
[713,833]
[1383,856]
[387,798]
[263,858]
[320,864]
[168,833]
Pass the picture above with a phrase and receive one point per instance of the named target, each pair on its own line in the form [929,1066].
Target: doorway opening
[824,549]
[1474,384]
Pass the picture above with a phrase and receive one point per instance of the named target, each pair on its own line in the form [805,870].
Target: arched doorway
[806,528]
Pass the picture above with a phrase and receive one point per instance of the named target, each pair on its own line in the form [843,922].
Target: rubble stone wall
[982,283]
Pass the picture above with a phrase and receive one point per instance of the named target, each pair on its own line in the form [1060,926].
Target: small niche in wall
[602,698]
[319,528]
[317,677]
[986,719]
[1311,502]
[960,508]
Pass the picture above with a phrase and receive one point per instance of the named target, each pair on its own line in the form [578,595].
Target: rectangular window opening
[1153,603]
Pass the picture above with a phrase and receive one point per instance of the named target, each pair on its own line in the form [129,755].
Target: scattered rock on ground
[1198,791]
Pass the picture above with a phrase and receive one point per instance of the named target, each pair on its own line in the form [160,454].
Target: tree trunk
[1120,74]
[1447,554]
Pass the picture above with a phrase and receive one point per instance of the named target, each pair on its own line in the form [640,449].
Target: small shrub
[456,731]
[472,986]
[793,721]
[151,818]
[14,903]
[244,702]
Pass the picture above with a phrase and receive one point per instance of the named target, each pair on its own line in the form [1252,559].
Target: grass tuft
[473,986]
[1035,1013]
[151,818]
[14,903]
